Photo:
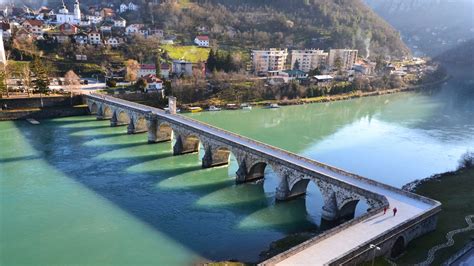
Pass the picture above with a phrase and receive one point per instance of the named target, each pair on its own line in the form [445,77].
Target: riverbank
[328,98]
[455,191]
[44,113]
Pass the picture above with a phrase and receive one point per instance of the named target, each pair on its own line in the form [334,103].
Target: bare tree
[132,68]
[72,82]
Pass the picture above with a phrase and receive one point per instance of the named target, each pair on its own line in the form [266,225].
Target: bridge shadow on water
[170,193]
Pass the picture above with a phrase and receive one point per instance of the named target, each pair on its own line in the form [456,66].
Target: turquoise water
[76,191]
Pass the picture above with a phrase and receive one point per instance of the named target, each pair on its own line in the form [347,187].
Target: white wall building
[65,17]
[308,59]
[202,41]
[269,60]
[347,58]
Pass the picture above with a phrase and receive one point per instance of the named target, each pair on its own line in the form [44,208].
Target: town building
[154,84]
[34,26]
[133,29]
[120,22]
[182,68]
[94,37]
[308,59]
[345,57]
[64,16]
[146,69]
[202,41]
[113,42]
[81,38]
[269,60]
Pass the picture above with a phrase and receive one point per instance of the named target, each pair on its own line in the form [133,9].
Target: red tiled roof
[148,66]
[150,78]
[202,38]
[34,22]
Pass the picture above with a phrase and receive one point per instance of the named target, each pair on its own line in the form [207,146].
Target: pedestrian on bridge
[394,211]
[384,210]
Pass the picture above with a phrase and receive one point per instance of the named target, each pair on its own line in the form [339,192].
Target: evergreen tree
[158,64]
[40,71]
[296,66]
[3,81]
[212,61]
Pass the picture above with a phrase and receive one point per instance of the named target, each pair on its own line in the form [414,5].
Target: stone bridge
[341,191]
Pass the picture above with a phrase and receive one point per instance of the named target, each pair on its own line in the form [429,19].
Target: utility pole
[375,248]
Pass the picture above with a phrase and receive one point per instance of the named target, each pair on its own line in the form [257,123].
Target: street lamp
[375,248]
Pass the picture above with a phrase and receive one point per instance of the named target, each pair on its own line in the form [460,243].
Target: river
[76,191]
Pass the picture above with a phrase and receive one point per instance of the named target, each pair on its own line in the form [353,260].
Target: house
[113,42]
[165,71]
[84,23]
[158,33]
[123,8]
[120,22]
[133,28]
[295,74]
[68,29]
[147,69]
[132,6]
[6,28]
[106,27]
[34,26]
[94,19]
[94,37]
[154,84]
[323,79]
[107,12]
[202,41]
[182,68]
[81,38]
[44,13]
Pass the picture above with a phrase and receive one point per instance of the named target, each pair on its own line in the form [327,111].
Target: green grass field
[456,192]
[189,53]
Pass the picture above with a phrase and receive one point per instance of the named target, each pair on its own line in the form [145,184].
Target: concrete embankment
[47,107]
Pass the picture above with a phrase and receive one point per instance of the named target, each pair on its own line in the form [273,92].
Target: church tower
[77,11]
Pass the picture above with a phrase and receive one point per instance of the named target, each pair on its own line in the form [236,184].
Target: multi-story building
[308,59]
[269,60]
[346,58]
[94,37]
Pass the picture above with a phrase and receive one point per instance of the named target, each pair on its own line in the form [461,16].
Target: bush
[467,160]
[112,83]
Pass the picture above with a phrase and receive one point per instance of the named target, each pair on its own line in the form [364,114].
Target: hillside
[429,26]
[271,23]
[462,55]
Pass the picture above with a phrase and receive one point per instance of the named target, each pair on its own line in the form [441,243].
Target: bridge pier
[214,157]
[185,145]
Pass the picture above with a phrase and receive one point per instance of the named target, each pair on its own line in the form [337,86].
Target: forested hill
[273,23]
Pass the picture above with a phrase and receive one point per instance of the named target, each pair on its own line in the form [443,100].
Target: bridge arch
[164,132]
[123,118]
[216,156]
[347,210]
[299,188]
[186,144]
[107,112]
[398,247]
[256,171]
[93,108]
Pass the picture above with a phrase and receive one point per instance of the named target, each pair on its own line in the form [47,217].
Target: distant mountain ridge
[429,26]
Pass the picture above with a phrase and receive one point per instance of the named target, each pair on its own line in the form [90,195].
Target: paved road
[337,244]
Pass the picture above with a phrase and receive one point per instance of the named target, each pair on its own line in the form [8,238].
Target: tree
[212,61]
[338,64]
[71,81]
[131,67]
[26,76]
[41,81]
[3,81]
[158,65]
[141,84]
[296,66]
[111,83]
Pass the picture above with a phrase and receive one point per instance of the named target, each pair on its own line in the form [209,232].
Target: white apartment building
[3,59]
[273,59]
[308,59]
[347,57]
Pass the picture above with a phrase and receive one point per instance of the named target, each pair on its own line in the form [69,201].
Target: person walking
[394,211]
[384,210]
